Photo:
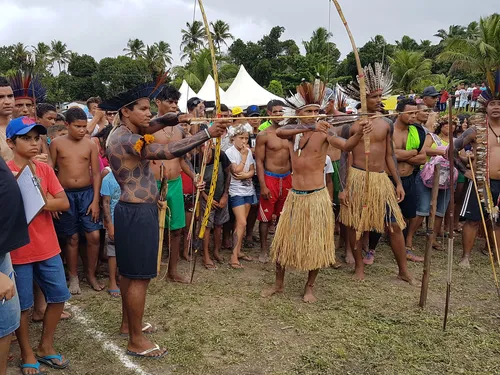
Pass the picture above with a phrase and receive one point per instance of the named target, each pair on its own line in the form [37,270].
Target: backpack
[427,173]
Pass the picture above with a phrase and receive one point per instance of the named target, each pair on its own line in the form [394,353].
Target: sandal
[34,366]
[48,360]
[145,353]
[210,266]
[245,257]
[236,266]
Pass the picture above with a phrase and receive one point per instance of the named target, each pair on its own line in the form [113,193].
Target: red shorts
[278,185]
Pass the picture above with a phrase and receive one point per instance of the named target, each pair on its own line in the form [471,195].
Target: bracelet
[207,133]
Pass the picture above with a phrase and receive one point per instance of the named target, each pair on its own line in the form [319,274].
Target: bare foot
[218,257]
[178,279]
[464,263]
[187,257]
[266,293]
[308,295]
[96,285]
[263,258]
[407,277]
[74,285]
[349,258]
[359,274]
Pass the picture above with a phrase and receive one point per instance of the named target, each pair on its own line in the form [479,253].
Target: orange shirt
[43,239]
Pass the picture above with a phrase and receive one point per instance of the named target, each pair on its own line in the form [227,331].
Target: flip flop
[48,360]
[145,329]
[211,267]
[236,266]
[245,257]
[35,366]
[145,353]
[116,291]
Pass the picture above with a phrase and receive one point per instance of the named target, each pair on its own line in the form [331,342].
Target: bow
[364,110]
[215,172]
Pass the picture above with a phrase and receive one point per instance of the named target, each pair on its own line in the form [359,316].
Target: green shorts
[461,178]
[176,217]
[336,181]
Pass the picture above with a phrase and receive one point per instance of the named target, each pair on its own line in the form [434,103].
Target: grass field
[220,324]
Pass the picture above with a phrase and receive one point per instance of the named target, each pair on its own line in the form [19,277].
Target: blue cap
[252,110]
[22,126]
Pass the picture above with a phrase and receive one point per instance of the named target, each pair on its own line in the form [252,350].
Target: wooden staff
[431,235]
[162,212]
[364,109]
[485,227]
[451,223]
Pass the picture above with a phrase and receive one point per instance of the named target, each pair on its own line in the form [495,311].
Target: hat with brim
[430,91]
[23,125]
[145,91]
[252,111]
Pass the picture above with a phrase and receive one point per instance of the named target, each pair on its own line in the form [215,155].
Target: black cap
[193,102]
[252,111]
[430,91]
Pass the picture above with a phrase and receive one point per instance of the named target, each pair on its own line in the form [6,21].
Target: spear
[364,109]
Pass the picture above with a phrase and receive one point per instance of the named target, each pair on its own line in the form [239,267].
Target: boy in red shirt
[39,260]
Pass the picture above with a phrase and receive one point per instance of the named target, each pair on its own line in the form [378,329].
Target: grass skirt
[304,236]
[381,206]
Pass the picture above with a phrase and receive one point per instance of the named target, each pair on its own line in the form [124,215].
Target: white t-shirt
[328,167]
[463,95]
[241,188]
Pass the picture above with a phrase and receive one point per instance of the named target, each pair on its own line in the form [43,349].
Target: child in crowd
[219,213]
[46,114]
[39,260]
[76,157]
[241,189]
[110,193]
[56,131]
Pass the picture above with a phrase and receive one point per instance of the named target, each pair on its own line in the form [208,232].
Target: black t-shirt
[14,229]
[223,164]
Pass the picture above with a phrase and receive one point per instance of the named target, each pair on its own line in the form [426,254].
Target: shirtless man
[383,210]
[470,210]
[272,157]
[73,155]
[6,108]
[304,237]
[167,100]
[136,214]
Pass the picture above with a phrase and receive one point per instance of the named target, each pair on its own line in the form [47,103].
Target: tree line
[463,54]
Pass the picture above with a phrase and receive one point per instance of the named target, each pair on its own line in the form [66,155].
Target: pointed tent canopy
[207,92]
[186,93]
[244,91]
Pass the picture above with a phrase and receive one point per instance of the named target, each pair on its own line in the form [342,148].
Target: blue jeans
[48,274]
[236,200]
[10,313]
[424,196]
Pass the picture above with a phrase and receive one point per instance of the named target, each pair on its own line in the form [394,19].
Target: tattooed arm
[156,151]
[169,119]
[288,131]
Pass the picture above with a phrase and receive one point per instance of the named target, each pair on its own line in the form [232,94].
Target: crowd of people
[302,179]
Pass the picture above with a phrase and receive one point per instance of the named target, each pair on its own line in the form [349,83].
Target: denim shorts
[235,201]
[10,312]
[424,196]
[48,274]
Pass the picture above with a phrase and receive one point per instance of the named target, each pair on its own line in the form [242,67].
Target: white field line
[88,323]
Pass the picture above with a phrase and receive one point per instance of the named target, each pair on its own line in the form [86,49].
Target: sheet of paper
[31,192]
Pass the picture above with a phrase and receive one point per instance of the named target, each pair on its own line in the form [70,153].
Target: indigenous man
[487,169]
[272,157]
[304,237]
[136,214]
[6,108]
[382,210]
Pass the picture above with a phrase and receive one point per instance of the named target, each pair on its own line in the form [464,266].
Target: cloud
[102,27]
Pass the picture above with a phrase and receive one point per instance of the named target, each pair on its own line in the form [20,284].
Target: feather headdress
[233,131]
[309,94]
[340,99]
[492,91]
[378,80]
[146,90]
[27,86]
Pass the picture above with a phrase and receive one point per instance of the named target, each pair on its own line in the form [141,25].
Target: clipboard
[33,197]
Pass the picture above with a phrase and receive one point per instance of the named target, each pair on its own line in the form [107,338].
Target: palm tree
[220,32]
[477,55]
[407,43]
[42,57]
[135,48]
[59,53]
[318,43]
[164,52]
[472,30]
[453,32]
[193,39]
[410,68]
[21,56]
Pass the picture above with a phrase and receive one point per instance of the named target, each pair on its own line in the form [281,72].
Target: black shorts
[409,204]
[136,239]
[470,209]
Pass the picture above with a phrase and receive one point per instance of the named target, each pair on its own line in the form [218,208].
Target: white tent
[207,92]
[186,93]
[244,91]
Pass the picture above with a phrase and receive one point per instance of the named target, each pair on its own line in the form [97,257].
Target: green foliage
[276,88]
[409,69]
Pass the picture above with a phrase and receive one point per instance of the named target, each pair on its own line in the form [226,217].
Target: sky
[101,28]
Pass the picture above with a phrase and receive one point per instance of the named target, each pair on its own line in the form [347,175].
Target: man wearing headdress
[486,129]
[382,210]
[304,236]
[130,149]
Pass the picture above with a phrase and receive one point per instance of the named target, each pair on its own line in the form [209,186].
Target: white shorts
[474,104]
[463,103]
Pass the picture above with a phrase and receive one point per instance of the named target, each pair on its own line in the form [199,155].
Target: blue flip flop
[114,291]
[35,366]
[48,360]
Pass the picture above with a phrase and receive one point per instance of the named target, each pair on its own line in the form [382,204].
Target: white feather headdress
[378,79]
